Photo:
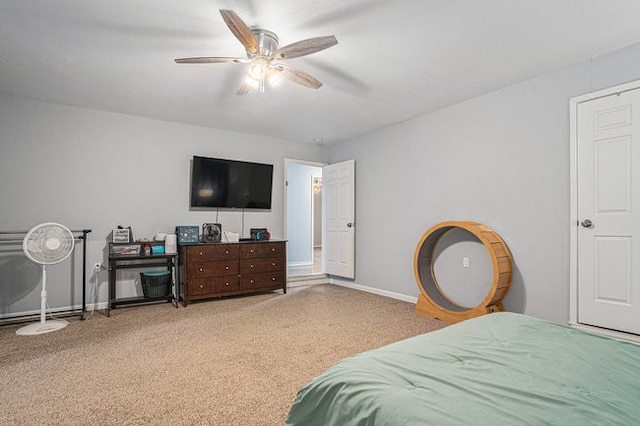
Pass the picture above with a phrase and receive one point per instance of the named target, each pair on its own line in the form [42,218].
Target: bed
[498,369]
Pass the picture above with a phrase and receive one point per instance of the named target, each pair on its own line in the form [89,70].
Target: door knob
[587,223]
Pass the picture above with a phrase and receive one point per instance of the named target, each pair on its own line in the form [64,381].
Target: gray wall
[501,159]
[92,169]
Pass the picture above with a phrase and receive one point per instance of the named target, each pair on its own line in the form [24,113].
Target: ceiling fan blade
[240,30]
[211,60]
[298,76]
[305,47]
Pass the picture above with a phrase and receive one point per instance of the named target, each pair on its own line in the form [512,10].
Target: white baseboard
[304,280]
[633,338]
[97,306]
[295,281]
[296,264]
[386,293]
[61,312]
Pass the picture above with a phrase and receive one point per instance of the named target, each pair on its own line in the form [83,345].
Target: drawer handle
[201,253]
[273,279]
[226,252]
[251,281]
[251,266]
[226,267]
[273,264]
[200,269]
[273,249]
[251,251]
[226,284]
[201,286]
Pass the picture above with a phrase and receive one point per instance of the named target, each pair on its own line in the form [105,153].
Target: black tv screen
[220,183]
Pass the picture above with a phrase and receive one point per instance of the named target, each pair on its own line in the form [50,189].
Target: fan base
[41,327]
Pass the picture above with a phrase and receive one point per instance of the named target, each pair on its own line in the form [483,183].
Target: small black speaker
[211,232]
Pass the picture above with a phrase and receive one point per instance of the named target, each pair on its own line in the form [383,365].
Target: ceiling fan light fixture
[253,82]
[257,70]
[274,77]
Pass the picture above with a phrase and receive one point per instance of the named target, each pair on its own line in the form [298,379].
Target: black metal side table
[137,261]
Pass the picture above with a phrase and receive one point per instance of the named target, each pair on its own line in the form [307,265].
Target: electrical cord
[93,293]
[242,229]
[92,296]
[51,314]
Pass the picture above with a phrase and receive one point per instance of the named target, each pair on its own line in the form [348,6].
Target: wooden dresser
[208,270]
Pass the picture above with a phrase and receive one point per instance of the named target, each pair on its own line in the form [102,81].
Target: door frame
[288,161]
[573,186]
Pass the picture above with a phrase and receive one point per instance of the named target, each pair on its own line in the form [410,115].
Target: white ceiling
[395,59]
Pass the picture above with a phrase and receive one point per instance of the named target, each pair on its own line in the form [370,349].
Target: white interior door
[608,211]
[338,228]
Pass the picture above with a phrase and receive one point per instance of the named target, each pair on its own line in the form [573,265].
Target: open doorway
[303,223]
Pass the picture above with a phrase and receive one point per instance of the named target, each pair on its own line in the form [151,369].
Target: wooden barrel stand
[432,302]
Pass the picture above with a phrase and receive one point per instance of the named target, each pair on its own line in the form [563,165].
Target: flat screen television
[220,183]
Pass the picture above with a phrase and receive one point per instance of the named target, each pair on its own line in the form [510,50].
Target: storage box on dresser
[210,270]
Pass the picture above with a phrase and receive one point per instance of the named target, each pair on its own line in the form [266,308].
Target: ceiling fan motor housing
[267,42]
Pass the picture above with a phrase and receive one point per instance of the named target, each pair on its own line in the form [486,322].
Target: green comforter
[499,369]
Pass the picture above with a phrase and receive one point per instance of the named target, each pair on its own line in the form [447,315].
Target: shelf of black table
[117,262]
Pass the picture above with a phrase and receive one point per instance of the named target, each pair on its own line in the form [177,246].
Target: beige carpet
[236,361]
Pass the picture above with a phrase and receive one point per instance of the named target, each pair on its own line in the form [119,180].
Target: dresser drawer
[212,269]
[212,252]
[255,250]
[227,285]
[250,266]
[263,280]
[213,286]
[200,287]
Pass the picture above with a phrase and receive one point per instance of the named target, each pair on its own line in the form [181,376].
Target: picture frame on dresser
[121,236]
[259,234]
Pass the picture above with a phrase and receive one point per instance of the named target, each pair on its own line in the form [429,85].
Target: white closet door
[608,211]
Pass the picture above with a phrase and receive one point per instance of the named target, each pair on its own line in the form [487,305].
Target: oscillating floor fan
[46,244]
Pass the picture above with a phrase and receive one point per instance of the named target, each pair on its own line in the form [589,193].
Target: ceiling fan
[264,55]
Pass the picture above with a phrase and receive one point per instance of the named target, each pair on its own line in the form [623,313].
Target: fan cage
[48,243]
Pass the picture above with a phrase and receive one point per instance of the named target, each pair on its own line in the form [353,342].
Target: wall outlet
[97,266]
